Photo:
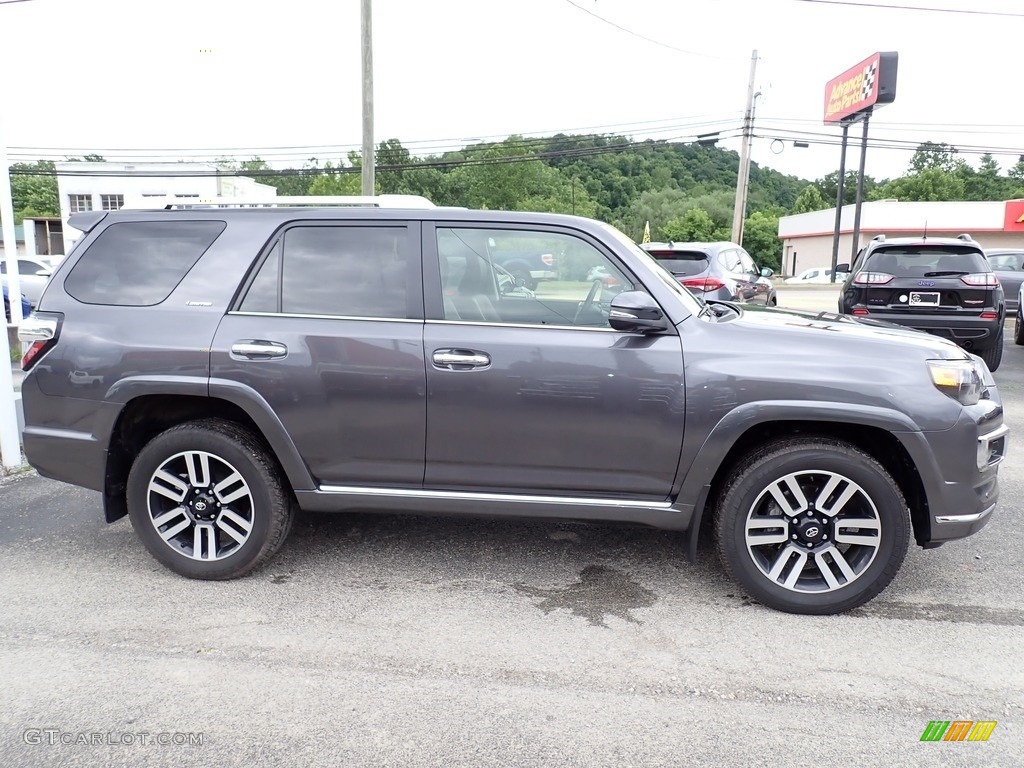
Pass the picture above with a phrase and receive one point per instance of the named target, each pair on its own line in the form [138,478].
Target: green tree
[761,239]
[932,155]
[696,225]
[34,194]
[929,184]
[828,185]
[810,200]
[333,181]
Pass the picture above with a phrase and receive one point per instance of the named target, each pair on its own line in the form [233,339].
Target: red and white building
[807,237]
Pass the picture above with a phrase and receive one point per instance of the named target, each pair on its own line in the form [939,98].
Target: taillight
[41,331]
[872,278]
[989,315]
[702,284]
[985,279]
[548,259]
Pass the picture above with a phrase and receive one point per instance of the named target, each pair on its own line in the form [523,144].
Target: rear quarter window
[139,263]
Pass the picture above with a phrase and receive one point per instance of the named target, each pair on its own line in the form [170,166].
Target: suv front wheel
[207,500]
[812,525]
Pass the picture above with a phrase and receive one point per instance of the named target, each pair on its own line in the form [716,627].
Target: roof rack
[170,202]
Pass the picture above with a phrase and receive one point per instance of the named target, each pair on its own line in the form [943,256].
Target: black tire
[258,499]
[876,502]
[1018,330]
[993,355]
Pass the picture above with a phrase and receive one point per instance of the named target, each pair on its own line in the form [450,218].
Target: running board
[343,498]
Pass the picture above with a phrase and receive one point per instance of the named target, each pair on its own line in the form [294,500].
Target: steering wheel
[587,302]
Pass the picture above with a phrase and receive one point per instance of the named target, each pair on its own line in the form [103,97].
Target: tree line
[685,191]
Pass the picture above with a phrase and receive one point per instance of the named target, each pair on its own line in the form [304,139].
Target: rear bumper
[968,331]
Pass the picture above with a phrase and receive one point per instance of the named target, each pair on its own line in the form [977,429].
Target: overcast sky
[282,79]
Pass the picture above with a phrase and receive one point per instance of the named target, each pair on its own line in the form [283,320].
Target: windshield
[927,261]
[691,302]
[685,263]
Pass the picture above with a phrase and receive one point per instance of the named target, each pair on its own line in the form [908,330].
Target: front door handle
[455,358]
[255,349]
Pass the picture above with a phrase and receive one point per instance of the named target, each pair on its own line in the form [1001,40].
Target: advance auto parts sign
[860,88]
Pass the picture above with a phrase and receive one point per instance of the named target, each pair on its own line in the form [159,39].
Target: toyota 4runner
[211,371]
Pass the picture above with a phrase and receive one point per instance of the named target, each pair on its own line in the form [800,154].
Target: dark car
[26,305]
[716,271]
[1008,265]
[940,285]
[262,361]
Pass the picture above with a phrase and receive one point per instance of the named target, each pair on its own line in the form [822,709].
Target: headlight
[963,380]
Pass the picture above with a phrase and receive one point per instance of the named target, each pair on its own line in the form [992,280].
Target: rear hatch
[927,279]
[691,268]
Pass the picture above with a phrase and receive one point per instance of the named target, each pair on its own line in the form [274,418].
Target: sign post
[850,98]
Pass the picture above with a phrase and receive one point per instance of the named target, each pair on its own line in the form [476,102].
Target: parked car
[716,271]
[263,361]
[530,266]
[26,306]
[944,286]
[1018,328]
[1008,265]
[815,276]
[32,277]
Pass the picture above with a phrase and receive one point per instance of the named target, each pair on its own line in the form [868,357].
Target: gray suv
[212,371]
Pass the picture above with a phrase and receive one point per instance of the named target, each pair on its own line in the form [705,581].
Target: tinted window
[348,271]
[683,263]
[1007,262]
[927,261]
[138,264]
[263,294]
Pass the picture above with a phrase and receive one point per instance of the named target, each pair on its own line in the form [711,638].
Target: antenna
[925,230]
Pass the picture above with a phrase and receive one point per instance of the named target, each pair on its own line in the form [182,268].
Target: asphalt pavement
[411,641]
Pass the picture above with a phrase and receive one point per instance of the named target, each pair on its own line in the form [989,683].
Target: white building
[807,237]
[110,186]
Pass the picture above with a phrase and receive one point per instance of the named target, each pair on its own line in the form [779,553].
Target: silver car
[716,271]
[1008,264]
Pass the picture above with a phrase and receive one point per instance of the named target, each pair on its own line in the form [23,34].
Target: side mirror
[636,312]
[844,267]
[766,272]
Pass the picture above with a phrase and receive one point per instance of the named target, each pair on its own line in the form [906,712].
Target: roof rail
[170,202]
[965,237]
[879,238]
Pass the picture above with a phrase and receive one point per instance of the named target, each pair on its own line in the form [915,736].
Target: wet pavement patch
[600,592]
[959,614]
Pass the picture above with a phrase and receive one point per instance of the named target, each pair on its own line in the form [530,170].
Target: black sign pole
[860,188]
[840,186]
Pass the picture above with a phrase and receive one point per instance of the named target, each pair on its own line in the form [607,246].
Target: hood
[845,330]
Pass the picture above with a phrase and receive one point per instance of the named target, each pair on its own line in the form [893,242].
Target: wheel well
[144,418]
[878,443]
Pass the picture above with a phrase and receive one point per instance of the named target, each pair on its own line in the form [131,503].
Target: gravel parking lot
[385,640]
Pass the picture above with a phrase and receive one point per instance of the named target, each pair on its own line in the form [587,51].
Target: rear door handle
[256,349]
[455,358]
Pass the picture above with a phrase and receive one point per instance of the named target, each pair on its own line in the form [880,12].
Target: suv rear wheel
[207,500]
[994,354]
[812,526]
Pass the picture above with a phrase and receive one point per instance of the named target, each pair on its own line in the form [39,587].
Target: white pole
[10,445]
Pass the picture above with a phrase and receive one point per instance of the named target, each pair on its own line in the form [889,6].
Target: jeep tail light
[41,331]
[989,315]
[985,279]
[548,259]
[860,312]
[872,278]
[702,284]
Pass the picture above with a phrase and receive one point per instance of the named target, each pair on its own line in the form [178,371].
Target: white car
[816,275]
[33,275]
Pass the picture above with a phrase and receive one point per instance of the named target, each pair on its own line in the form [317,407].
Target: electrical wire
[930,9]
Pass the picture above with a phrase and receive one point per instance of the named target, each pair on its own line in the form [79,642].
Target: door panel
[553,411]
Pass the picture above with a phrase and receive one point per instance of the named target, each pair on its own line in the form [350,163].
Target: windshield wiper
[947,273]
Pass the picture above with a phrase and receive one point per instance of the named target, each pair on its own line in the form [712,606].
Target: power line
[894,6]
[642,37]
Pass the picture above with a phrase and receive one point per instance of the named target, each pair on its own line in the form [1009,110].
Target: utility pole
[10,444]
[740,207]
[368,158]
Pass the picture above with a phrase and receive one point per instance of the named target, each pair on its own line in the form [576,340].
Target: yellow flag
[647,233]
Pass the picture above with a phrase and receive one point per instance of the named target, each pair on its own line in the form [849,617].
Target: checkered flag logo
[869,80]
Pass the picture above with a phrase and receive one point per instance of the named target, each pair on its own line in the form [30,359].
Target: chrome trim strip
[524,325]
[327,317]
[964,518]
[411,493]
[995,434]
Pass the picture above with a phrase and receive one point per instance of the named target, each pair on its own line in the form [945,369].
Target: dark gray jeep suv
[211,371]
